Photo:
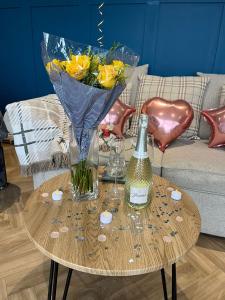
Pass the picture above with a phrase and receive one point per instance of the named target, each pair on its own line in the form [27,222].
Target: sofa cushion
[188,88]
[211,99]
[192,165]
[128,95]
[156,157]
[222,96]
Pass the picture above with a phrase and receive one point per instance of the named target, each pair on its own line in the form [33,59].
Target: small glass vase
[84,158]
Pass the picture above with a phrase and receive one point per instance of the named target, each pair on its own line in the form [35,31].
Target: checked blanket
[40,130]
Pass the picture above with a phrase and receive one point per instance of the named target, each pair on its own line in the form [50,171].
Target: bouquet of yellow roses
[87,80]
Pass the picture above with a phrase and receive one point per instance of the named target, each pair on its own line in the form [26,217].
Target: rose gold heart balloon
[167,119]
[118,115]
[216,119]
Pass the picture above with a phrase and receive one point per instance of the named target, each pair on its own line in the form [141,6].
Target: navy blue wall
[177,37]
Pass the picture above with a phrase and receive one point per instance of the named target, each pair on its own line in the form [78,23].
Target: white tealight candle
[106,217]
[176,195]
[57,195]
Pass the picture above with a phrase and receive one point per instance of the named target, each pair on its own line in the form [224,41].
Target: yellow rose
[118,65]
[55,65]
[107,76]
[78,66]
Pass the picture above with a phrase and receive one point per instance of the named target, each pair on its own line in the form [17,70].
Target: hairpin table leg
[174,282]
[53,275]
[164,284]
[67,284]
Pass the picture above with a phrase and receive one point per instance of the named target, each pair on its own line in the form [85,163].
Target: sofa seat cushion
[155,158]
[192,165]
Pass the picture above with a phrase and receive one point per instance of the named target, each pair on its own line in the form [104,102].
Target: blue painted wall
[177,37]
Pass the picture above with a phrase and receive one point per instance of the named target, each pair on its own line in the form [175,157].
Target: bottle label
[140,155]
[138,195]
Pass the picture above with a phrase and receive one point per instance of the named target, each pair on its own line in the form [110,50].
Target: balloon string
[100,25]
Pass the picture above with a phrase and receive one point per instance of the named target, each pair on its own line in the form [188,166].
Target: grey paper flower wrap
[85,105]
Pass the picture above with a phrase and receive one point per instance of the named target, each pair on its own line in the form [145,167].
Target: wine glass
[117,147]
[116,164]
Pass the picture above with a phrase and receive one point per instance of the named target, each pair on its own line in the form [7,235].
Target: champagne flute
[116,164]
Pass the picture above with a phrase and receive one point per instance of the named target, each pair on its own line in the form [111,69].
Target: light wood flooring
[24,270]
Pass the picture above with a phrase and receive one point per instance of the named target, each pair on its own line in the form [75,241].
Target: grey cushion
[134,81]
[189,88]
[192,165]
[128,95]
[211,99]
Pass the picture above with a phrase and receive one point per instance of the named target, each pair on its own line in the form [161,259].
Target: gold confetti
[64,229]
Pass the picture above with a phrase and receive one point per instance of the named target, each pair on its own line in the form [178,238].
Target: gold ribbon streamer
[100,24]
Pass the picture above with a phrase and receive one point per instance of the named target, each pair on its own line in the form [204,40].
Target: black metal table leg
[164,284]
[174,282]
[54,284]
[3,177]
[67,284]
[50,280]
[53,275]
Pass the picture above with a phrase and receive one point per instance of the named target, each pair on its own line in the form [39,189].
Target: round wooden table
[136,242]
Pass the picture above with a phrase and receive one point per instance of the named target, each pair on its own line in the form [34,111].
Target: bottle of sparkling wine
[138,186]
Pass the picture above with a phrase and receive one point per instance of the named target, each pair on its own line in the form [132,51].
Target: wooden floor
[24,270]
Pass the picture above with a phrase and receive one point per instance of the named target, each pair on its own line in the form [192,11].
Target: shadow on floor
[211,242]
[8,196]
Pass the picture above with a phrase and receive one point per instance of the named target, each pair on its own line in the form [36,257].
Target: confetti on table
[54,234]
[79,238]
[167,239]
[81,228]
[56,221]
[92,210]
[101,238]
[45,195]
[179,219]
[114,210]
[130,260]
[173,233]
[137,247]
[64,229]
[45,202]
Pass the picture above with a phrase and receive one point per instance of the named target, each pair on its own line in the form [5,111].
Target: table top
[136,242]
